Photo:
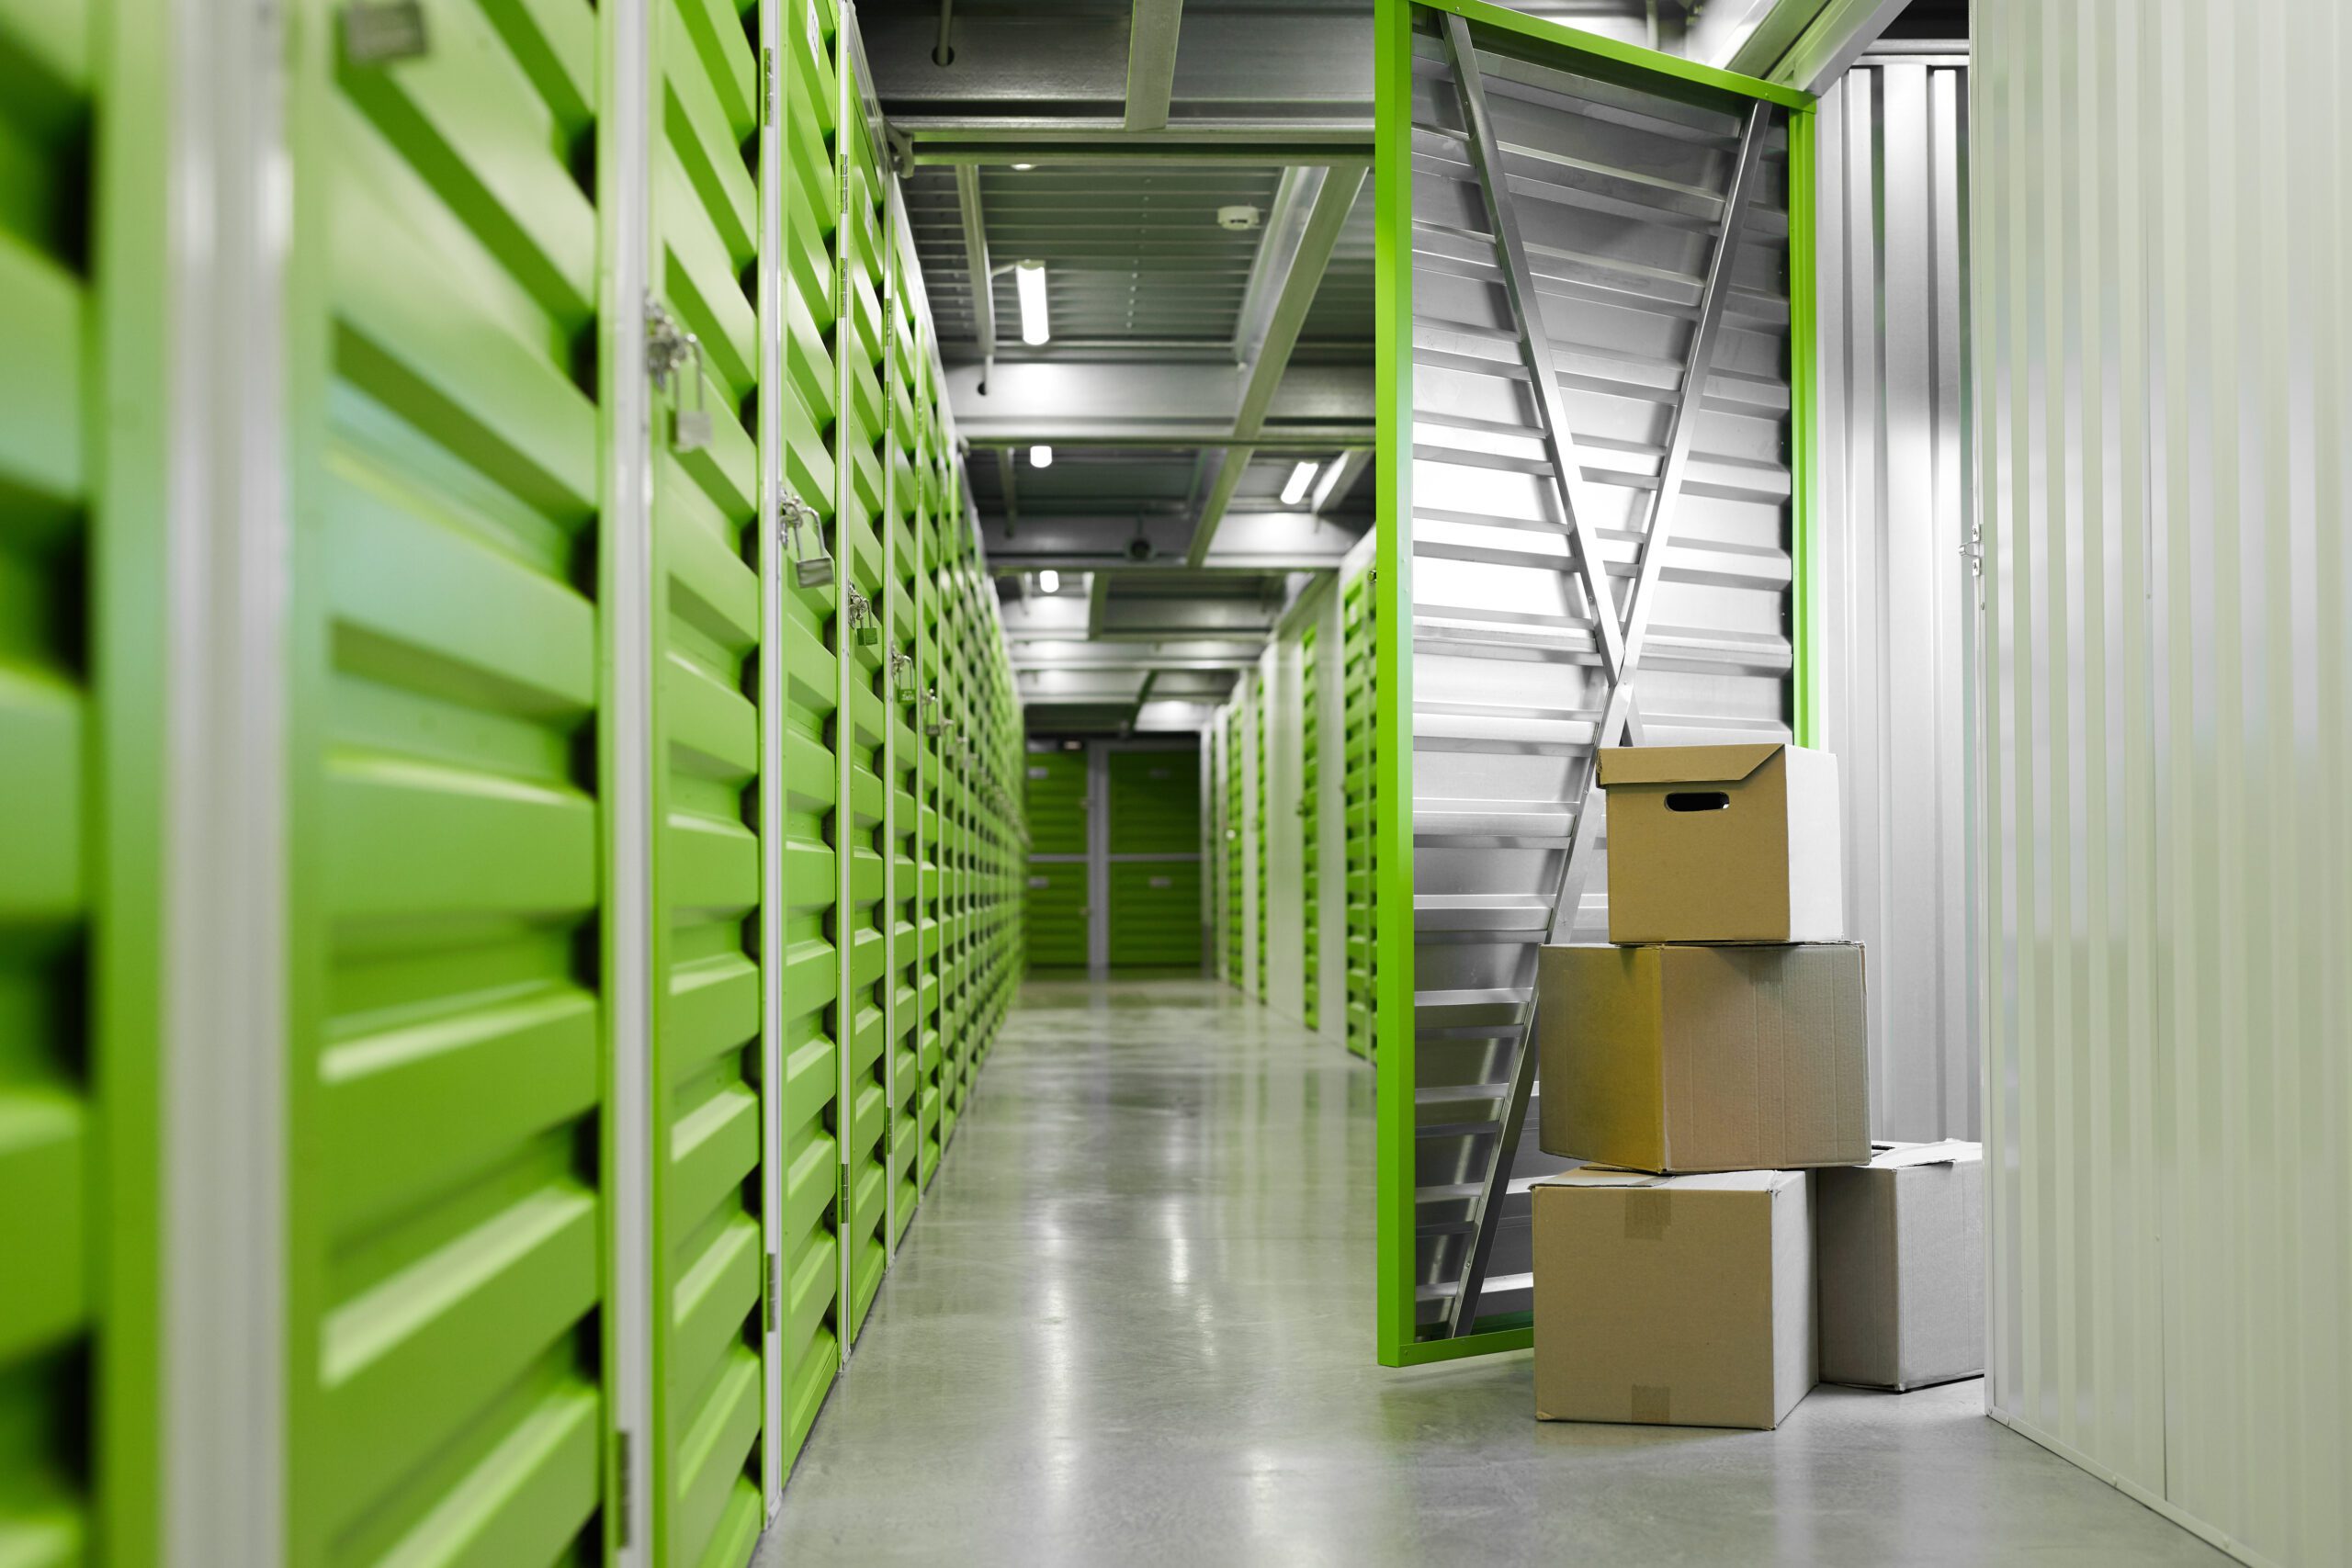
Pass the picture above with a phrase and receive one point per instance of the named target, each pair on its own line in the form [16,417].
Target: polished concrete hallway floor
[1132,1324]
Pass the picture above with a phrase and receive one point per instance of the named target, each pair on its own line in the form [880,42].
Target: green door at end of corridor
[1154,845]
[1057,908]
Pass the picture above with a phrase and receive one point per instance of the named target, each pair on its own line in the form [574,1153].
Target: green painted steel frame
[1396,1251]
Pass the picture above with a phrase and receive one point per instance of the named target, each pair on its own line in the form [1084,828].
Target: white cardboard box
[1724,843]
[1901,1249]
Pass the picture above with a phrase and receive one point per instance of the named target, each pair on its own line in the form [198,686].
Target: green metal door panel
[1261,802]
[1054,789]
[1155,802]
[1359,655]
[808,1247]
[859,349]
[445,1263]
[1310,799]
[1155,914]
[902,753]
[82,216]
[709,1251]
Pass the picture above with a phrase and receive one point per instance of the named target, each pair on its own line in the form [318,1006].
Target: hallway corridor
[1136,1328]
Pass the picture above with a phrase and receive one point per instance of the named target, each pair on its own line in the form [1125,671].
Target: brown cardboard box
[1681,1300]
[1901,1243]
[1724,843]
[1704,1058]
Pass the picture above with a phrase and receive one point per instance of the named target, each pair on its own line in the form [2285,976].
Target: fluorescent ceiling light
[1029,282]
[1301,478]
[1022,168]
[1041,456]
[1049,581]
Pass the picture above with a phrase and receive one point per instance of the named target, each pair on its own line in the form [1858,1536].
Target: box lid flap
[1683,764]
[1600,1176]
[1952,1151]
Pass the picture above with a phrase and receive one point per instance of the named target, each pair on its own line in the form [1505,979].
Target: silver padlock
[865,621]
[902,677]
[690,427]
[810,570]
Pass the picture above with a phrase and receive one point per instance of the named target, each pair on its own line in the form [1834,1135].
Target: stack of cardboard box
[1735,1237]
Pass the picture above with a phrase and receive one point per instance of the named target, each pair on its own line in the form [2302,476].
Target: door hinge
[623,1489]
[772,1286]
[767,86]
[1973,553]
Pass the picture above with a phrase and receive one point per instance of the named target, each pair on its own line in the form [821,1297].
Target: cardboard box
[1724,843]
[1901,1243]
[1681,1300]
[1704,1058]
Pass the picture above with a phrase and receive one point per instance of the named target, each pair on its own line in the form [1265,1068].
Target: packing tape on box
[1655,1405]
[1647,1213]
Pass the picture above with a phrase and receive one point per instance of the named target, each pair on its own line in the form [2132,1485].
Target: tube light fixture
[1041,456]
[1294,489]
[1049,581]
[1029,282]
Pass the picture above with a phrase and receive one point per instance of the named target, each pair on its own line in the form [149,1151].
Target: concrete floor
[1132,1325]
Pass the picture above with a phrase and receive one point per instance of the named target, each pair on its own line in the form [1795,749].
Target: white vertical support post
[227,530]
[630,987]
[1098,859]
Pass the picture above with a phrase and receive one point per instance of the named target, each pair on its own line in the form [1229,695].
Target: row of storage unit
[512,858]
[1287,772]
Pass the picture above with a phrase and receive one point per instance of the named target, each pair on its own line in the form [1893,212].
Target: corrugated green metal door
[1154,842]
[1310,831]
[1055,789]
[81,602]
[908,365]
[444,1265]
[1359,658]
[809,1243]
[708,1257]
[859,347]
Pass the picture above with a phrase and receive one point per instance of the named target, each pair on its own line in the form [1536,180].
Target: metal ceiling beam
[932,143]
[1339,479]
[975,265]
[1805,44]
[1154,403]
[1267,62]
[1302,277]
[1152,31]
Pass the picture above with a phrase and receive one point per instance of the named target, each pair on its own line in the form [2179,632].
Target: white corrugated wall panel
[2157,245]
[1896,602]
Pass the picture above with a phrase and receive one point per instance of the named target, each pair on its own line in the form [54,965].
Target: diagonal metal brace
[1617,707]
[1569,485]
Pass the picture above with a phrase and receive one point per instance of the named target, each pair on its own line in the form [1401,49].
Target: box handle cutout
[1698,800]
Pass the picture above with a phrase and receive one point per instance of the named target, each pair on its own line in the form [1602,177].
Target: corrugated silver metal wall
[2158,230]
[1895,600]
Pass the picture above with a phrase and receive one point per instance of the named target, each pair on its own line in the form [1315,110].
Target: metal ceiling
[1192,365]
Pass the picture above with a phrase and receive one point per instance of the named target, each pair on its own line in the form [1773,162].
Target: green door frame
[1397,1249]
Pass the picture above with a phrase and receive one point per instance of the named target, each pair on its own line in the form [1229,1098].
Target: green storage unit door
[810,1257]
[1310,817]
[860,345]
[1155,802]
[1055,788]
[1056,915]
[447,1031]
[1235,734]
[80,667]
[907,362]
[1358,751]
[708,1251]
[1156,914]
